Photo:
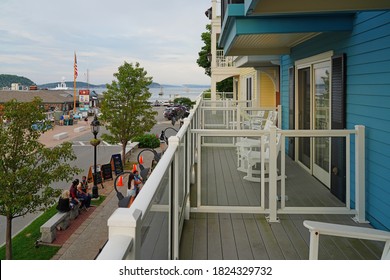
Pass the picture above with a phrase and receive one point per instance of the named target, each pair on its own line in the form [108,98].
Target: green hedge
[147,141]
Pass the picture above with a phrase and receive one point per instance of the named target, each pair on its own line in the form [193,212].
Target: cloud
[38,38]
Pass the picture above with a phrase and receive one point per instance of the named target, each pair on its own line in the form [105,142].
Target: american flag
[75,67]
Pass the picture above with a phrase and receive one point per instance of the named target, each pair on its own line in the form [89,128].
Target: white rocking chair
[318,228]
[254,157]
[244,146]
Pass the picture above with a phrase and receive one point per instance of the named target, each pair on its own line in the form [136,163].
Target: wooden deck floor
[250,236]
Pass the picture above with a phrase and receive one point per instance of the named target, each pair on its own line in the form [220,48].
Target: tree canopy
[6,80]
[205,51]
[27,167]
[125,109]
[203,61]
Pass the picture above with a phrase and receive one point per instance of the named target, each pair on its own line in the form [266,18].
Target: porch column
[360,176]
[273,157]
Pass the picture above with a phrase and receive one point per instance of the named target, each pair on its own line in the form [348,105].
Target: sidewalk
[89,238]
[86,242]
[91,235]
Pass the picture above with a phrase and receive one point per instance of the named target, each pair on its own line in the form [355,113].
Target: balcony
[224,61]
[224,5]
[198,205]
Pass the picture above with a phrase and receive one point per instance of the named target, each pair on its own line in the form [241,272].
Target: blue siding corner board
[367,48]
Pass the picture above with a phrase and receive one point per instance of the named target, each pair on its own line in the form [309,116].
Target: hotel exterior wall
[367,50]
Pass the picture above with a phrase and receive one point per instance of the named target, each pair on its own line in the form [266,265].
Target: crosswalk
[86,143]
[129,146]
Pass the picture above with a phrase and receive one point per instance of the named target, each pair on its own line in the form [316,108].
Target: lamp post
[95,127]
[163,137]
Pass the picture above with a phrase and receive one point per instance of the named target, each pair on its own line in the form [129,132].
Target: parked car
[41,126]
[177,111]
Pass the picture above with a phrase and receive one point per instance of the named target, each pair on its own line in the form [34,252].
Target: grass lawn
[23,244]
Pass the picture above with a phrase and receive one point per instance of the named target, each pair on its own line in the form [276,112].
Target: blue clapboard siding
[367,48]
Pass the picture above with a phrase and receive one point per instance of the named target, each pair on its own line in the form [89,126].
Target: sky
[38,39]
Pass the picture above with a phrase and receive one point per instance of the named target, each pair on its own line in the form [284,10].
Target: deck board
[256,242]
[294,235]
[213,238]
[242,241]
[229,251]
[199,251]
[231,236]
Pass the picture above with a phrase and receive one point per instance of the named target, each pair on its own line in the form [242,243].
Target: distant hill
[70,84]
[6,80]
[196,86]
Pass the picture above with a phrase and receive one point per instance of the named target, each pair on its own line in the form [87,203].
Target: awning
[276,34]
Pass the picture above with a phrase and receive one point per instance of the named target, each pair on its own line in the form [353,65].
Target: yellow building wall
[263,87]
[244,74]
[267,91]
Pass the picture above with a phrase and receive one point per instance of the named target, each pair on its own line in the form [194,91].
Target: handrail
[149,189]
[117,248]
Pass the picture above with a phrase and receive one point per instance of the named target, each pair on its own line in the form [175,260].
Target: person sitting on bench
[64,204]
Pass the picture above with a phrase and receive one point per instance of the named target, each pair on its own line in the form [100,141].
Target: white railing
[224,61]
[161,206]
[225,138]
[232,114]
[221,95]
[151,228]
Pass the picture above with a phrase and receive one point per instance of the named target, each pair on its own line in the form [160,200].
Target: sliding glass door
[313,106]
[321,120]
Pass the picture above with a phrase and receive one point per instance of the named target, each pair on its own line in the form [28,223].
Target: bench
[60,221]
[79,129]
[60,136]
[131,146]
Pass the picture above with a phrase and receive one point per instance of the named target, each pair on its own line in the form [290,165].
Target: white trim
[306,62]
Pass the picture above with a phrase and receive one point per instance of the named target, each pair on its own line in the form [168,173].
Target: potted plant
[94,142]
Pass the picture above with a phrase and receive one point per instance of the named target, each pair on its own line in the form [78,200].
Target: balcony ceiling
[267,44]
[257,61]
[266,28]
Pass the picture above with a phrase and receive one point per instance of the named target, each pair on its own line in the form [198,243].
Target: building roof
[47,96]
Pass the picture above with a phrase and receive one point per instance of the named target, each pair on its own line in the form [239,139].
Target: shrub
[147,141]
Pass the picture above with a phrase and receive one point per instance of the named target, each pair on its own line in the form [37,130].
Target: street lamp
[163,137]
[95,127]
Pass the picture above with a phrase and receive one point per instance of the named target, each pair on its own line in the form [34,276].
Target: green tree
[125,109]
[27,167]
[184,101]
[203,60]
[225,85]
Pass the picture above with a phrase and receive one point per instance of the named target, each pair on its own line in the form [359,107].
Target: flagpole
[74,83]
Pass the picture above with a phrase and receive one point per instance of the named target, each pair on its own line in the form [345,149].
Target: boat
[161,91]
[62,85]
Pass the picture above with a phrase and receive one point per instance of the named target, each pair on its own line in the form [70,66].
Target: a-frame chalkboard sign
[91,177]
[116,164]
